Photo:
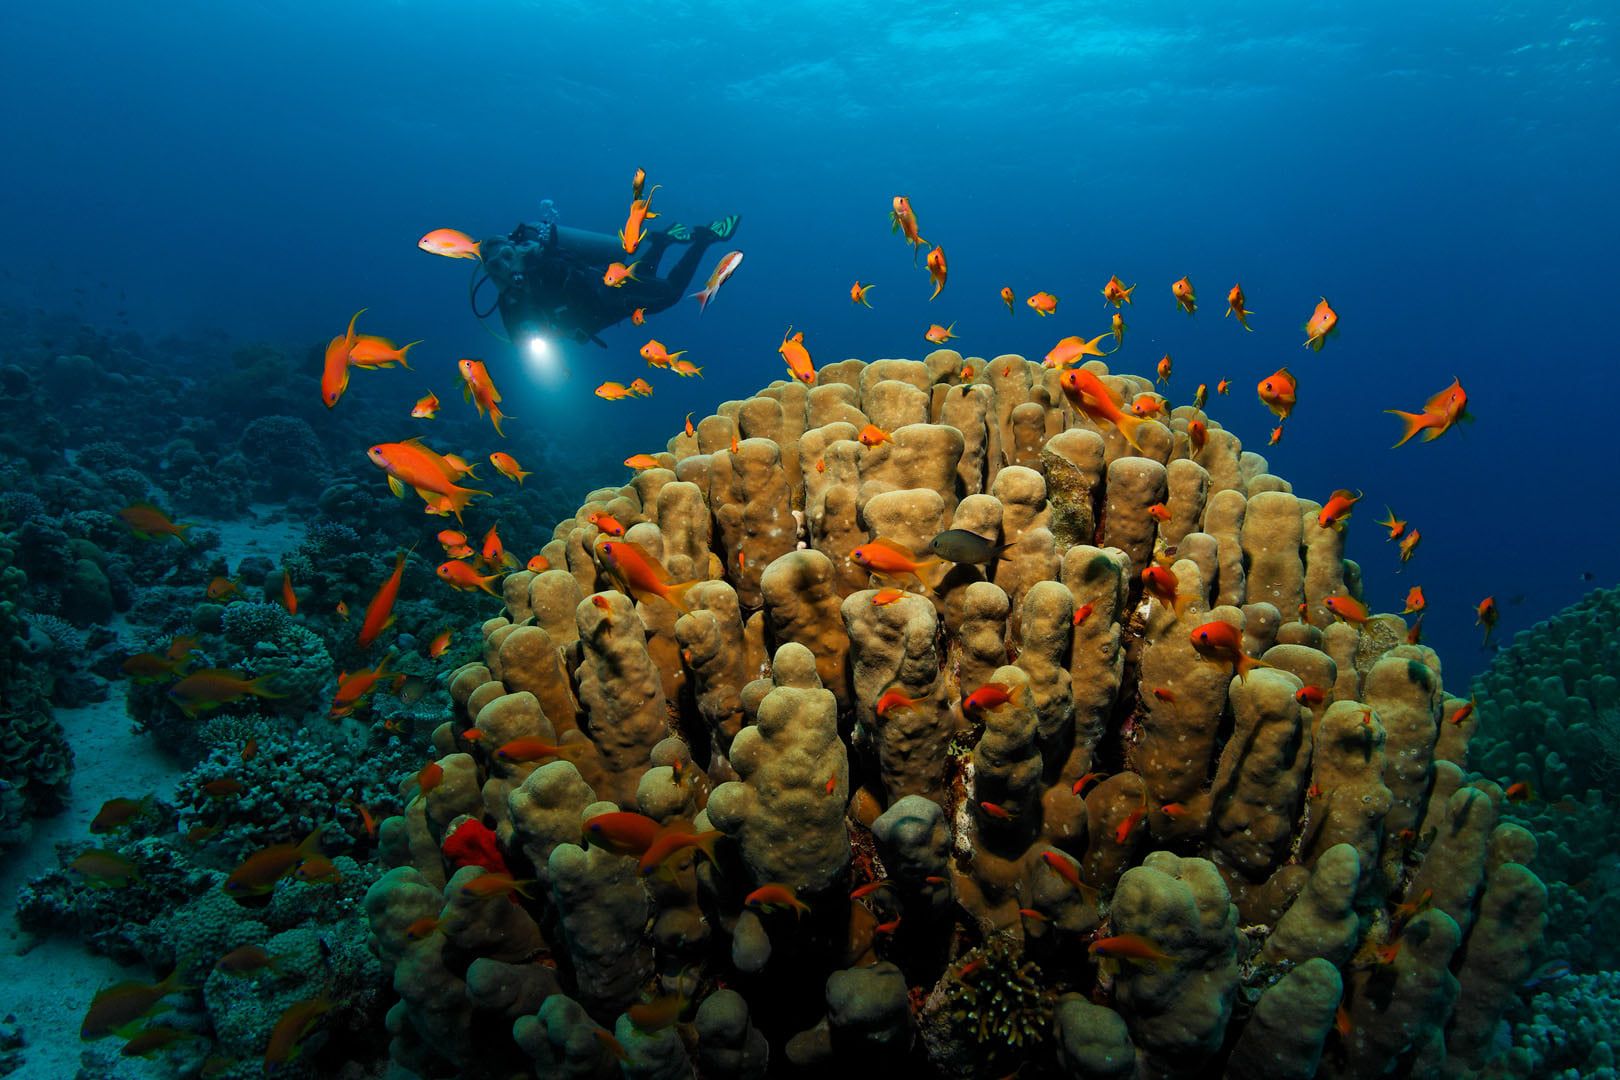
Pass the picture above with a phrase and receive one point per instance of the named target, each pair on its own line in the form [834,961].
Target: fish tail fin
[521,473]
[180,533]
[1412,424]
[403,349]
[676,594]
[706,844]
[1246,664]
[495,417]
[484,584]
[703,298]
[932,571]
[1129,426]
[258,687]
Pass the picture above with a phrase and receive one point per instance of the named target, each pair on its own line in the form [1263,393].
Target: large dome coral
[1162,868]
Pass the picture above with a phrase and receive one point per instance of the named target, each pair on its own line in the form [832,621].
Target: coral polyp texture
[1083,835]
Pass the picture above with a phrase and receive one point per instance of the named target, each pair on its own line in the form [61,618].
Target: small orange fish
[1464,711]
[1087,393]
[1439,414]
[508,466]
[1201,396]
[887,558]
[463,578]
[797,357]
[658,355]
[530,748]
[1279,392]
[372,352]
[1148,405]
[991,695]
[995,810]
[1310,696]
[1182,290]
[774,897]
[1129,824]
[1071,349]
[426,407]
[887,927]
[1224,387]
[1082,613]
[622,832]
[342,610]
[538,565]
[1276,436]
[1337,509]
[617,274]
[638,317]
[1173,810]
[857,294]
[1116,326]
[450,243]
[1485,614]
[1043,304]
[147,522]
[1414,633]
[1032,915]
[1221,641]
[1394,524]
[1519,792]
[637,182]
[884,597]
[643,388]
[1116,293]
[1414,601]
[1007,298]
[939,335]
[208,689]
[380,612]
[904,221]
[1159,512]
[1405,911]
[116,813]
[613,391]
[1409,544]
[1197,436]
[289,598]
[868,889]
[936,269]
[450,538]
[1346,609]
[1324,321]
[1089,778]
[421,928]
[479,388]
[674,838]
[1234,306]
[606,523]
[641,462]
[440,643]
[872,435]
[685,369]
[641,574]
[354,688]
[892,699]
[1129,947]
[1166,696]
[222,587]
[690,430]
[1161,583]
[489,885]
[635,224]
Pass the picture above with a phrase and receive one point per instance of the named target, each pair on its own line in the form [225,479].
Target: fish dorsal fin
[892,545]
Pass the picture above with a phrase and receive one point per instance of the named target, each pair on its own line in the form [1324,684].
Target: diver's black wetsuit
[550,277]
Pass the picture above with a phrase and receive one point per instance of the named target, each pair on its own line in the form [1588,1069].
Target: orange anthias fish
[1007,298]
[1276,436]
[891,699]
[1234,306]
[1414,601]
[886,558]
[642,462]
[372,352]
[1117,328]
[622,832]
[774,897]
[1161,583]
[463,578]
[1409,544]
[289,598]
[259,872]
[117,1007]
[1346,609]
[413,464]
[638,317]
[149,667]
[617,274]
[1337,509]
[531,748]
[1201,396]
[1116,293]
[722,273]
[1438,415]
[641,574]
[936,269]
[1280,392]
[1186,300]
[872,435]
[221,587]
[213,687]
[903,221]
[538,565]
[1129,947]
[1223,387]
[440,643]
[1197,436]
[613,391]
[335,372]
[992,695]
[637,182]
[684,368]
[294,1026]
[1162,371]
[147,522]
[508,466]
[657,355]
[1221,641]
[480,390]
[1043,304]
[797,357]
[885,597]
[857,294]
[1148,405]
[451,243]
[689,429]
[1088,394]
[1394,524]
[1324,321]
[426,407]
[1071,349]
[605,522]
[635,231]
[354,688]
[380,612]
[494,552]
[674,838]
[1485,615]
[939,335]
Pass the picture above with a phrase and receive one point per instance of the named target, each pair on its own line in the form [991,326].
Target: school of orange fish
[436,479]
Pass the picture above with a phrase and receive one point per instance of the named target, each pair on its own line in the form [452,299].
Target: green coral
[990,1011]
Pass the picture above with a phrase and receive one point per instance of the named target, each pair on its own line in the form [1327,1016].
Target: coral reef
[1032,803]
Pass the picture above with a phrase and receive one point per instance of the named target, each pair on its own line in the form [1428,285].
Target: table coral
[1133,860]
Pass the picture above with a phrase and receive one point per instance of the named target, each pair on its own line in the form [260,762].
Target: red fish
[991,695]
[380,612]
[1116,293]
[1439,414]
[936,269]
[904,221]
[1485,615]
[1234,306]
[891,699]
[1280,392]
[147,522]
[1088,394]
[641,574]
[1347,609]
[1221,641]
[797,357]
[1310,696]
[1129,947]
[1394,524]
[1089,778]
[1043,303]
[1337,509]
[774,897]
[479,388]
[1161,583]
[1324,322]
[1186,300]
[463,578]
[886,558]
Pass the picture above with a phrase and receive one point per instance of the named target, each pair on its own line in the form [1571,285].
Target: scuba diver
[549,276]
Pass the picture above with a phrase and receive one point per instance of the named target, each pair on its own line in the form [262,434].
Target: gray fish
[961,546]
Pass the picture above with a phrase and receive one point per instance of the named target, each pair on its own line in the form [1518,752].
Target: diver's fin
[723,228]
[679,233]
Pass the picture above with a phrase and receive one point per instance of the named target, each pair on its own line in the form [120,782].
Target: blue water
[1442,173]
